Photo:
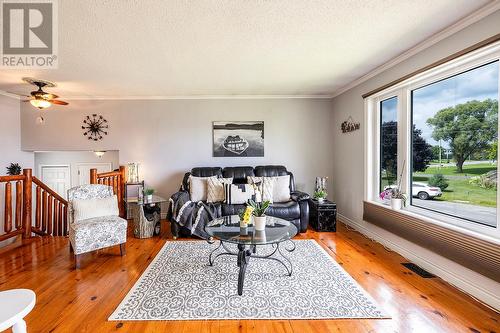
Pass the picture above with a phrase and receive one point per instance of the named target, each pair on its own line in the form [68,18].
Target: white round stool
[15,304]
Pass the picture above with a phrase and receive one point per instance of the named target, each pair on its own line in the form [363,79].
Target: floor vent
[420,271]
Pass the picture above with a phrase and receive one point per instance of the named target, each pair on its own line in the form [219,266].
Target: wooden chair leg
[122,249]
[77,260]
[71,248]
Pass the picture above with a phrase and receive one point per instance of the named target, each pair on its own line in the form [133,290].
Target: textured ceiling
[232,47]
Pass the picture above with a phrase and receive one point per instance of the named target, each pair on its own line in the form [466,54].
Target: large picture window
[435,135]
[454,146]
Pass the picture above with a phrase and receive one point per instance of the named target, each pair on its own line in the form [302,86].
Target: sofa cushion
[238,193]
[289,210]
[227,209]
[198,188]
[215,188]
[281,188]
[265,185]
[273,171]
[239,174]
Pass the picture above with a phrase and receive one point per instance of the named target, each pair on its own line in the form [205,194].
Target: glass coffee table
[227,230]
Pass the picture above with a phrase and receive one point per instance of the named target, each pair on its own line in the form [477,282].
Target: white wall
[73,158]
[10,143]
[348,173]
[169,137]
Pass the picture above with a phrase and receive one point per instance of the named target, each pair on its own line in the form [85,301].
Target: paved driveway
[485,215]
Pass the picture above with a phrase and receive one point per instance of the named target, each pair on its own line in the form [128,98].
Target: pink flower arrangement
[386,194]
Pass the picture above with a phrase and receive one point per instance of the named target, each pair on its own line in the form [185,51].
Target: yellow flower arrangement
[245,216]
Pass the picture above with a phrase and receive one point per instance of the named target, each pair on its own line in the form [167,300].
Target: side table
[15,304]
[147,216]
[323,215]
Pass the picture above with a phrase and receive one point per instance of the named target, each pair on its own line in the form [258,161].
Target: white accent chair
[97,232]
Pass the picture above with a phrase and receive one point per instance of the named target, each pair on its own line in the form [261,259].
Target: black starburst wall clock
[95,127]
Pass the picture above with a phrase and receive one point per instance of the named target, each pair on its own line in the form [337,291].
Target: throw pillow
[198,188]
[90,208]
[238,193]
[215,188]
[281,188]
[265,186]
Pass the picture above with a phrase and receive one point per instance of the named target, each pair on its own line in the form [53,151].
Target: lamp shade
[40,103]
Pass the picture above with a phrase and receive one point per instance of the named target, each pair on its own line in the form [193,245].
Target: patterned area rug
[180,285]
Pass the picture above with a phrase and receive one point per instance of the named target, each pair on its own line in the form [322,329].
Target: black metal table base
[245,252]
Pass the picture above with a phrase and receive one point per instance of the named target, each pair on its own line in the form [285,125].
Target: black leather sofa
[296,210]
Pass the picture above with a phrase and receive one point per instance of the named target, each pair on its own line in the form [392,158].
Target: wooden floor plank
[70,300]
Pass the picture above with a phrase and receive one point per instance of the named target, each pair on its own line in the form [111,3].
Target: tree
[422,151]
[493,152]
[469,127]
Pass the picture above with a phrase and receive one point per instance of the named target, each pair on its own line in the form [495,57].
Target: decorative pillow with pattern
[265,186]
[237,194]
[215,188]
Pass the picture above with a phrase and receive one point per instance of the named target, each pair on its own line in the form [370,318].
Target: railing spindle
[38,211]
[56,217]
[8,208]
[65,220]
[60,219]
[45,211]
[49,214]
[19,202]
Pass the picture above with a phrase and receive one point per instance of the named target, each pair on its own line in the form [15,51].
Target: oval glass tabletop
[227,229]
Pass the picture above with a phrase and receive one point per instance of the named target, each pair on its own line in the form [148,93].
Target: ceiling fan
[39,98]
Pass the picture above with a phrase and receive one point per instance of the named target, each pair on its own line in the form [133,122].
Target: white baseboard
[448,274]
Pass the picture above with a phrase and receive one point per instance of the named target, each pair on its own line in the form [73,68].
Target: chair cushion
[97,233]
[88,208]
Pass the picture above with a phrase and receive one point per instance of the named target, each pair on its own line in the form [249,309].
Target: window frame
[403,91]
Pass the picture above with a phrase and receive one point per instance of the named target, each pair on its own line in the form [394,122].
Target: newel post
[121,192]
[93,176]
[27,184]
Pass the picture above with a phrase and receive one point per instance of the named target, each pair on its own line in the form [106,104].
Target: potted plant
[14,169]
[398,198]
[149,194]
[258,212]
[320,195]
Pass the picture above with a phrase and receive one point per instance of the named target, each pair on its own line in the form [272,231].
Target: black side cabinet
[323,215]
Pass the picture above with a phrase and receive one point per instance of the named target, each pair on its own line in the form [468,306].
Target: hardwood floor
[70,300]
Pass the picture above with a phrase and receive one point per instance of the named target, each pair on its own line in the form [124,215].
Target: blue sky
[479,84]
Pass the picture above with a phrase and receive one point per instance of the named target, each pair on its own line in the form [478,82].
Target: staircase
[32,208]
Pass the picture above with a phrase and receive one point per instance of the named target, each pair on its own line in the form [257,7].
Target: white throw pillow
[198,188]
[265,186]
[215,188]
[90,208]
[281,188]
[238,193]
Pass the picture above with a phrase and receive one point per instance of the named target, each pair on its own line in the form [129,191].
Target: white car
[424,191]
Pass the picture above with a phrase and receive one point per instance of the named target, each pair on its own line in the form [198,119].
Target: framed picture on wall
[238,138]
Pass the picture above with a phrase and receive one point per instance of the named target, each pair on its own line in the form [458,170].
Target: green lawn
[472,169]
[459,189]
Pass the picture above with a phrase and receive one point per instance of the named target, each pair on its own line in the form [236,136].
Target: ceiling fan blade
[55,101]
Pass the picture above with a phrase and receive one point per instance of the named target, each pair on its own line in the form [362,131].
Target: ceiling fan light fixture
[40,103]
